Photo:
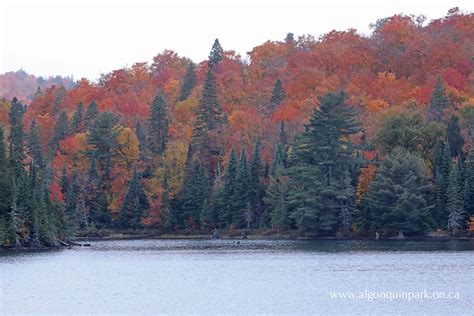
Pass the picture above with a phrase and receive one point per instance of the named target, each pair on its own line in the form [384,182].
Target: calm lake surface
[223,276]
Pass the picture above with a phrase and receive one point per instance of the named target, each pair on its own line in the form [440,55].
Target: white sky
[87,38]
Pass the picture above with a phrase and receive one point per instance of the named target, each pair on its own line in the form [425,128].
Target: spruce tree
[158,126]
[208,127]
[454,203]
[257,188]
[189,82]
[454,136]
[76,123]
[135,203]
[278,94]
[398,199]
[276,199]
[141,140]
[216,55]
[91,113]
[321,158]
[438,103]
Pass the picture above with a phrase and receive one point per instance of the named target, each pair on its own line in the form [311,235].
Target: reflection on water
[235,276]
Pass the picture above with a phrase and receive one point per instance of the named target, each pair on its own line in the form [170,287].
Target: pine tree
[72,200]
[283,136]
[277,160]
[34,145]
[278,94]
[216,55]
[454,136]
[158,126]
[189,82]
[398,199]
[91,113]
[321,158]
[76,124]
[438,103]
[454,204]
[61,130]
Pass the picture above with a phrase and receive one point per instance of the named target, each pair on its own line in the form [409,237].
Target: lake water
[136,277]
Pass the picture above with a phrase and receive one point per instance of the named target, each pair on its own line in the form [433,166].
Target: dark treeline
[420,181]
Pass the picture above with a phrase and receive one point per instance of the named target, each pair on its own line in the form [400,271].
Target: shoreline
[76,241]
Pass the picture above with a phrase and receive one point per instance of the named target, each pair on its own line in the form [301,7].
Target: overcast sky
[87,38]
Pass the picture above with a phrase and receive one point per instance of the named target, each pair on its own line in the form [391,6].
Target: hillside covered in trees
[343,135]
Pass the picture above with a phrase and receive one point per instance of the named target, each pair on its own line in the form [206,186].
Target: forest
[343,135]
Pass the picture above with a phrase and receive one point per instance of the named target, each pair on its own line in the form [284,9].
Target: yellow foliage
[128,149]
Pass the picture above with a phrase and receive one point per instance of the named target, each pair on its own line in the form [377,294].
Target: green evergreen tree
[438,103]
[216,55]
[205,216]
[16,139]
[226,204]
[441,186]
[91,113]
[64,181]
[242,191]
[278,94]
[102,138]
[166,214]
[321,158]
[468,193]
[454,136]
[5,188]
[141,140]
[276,199]
[257,188]
[398,199]
[76,124]
[15,221]
[95,200]
[195,190]
[208,127]
[189,82]
[158,126]
[454,203]
[34,145]
[61,130]
[135,203]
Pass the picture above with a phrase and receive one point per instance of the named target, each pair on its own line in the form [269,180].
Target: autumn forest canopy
[343,135]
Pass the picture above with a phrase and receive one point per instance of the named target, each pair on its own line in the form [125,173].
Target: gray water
[152,277]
